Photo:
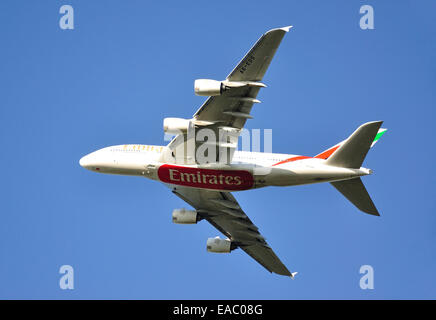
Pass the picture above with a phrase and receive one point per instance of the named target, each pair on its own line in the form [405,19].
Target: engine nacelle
[176,125]
[207,87]
[184,216]
[219,245]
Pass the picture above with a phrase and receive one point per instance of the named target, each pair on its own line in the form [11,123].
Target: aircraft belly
[307,174]
[244,177]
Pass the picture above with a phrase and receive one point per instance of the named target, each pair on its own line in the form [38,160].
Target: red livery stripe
[291,160]
[324,155]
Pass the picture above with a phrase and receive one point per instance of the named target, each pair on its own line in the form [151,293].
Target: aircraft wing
[251,68]
[223,211]
[232,108]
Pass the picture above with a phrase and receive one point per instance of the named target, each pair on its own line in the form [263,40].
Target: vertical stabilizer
[352,151]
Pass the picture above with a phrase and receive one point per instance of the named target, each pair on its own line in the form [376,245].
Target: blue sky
[129,64]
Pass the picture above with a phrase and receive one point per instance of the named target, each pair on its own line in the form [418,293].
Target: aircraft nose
[86,162]
[83,161]
[93,161]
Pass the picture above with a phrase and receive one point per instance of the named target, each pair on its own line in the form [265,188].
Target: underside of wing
[223,211]
[226,113]
[267,258]
[250,70]
[255,63]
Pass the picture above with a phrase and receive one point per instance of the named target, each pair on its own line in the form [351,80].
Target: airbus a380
[202,166]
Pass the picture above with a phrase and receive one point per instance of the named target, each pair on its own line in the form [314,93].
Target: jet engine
[207,87]
[219,245]
[184,216]
[176,125]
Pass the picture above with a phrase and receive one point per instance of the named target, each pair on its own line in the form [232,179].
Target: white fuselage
[248,170]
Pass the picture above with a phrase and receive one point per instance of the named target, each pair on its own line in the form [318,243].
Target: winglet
[286,29]
[293,274]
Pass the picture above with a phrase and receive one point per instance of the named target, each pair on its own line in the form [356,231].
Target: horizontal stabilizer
[356,193]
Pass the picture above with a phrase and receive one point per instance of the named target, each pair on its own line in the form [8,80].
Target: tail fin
[327,153]
[355,191]
[352,152]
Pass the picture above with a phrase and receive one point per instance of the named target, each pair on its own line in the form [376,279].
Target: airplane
[202,165]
